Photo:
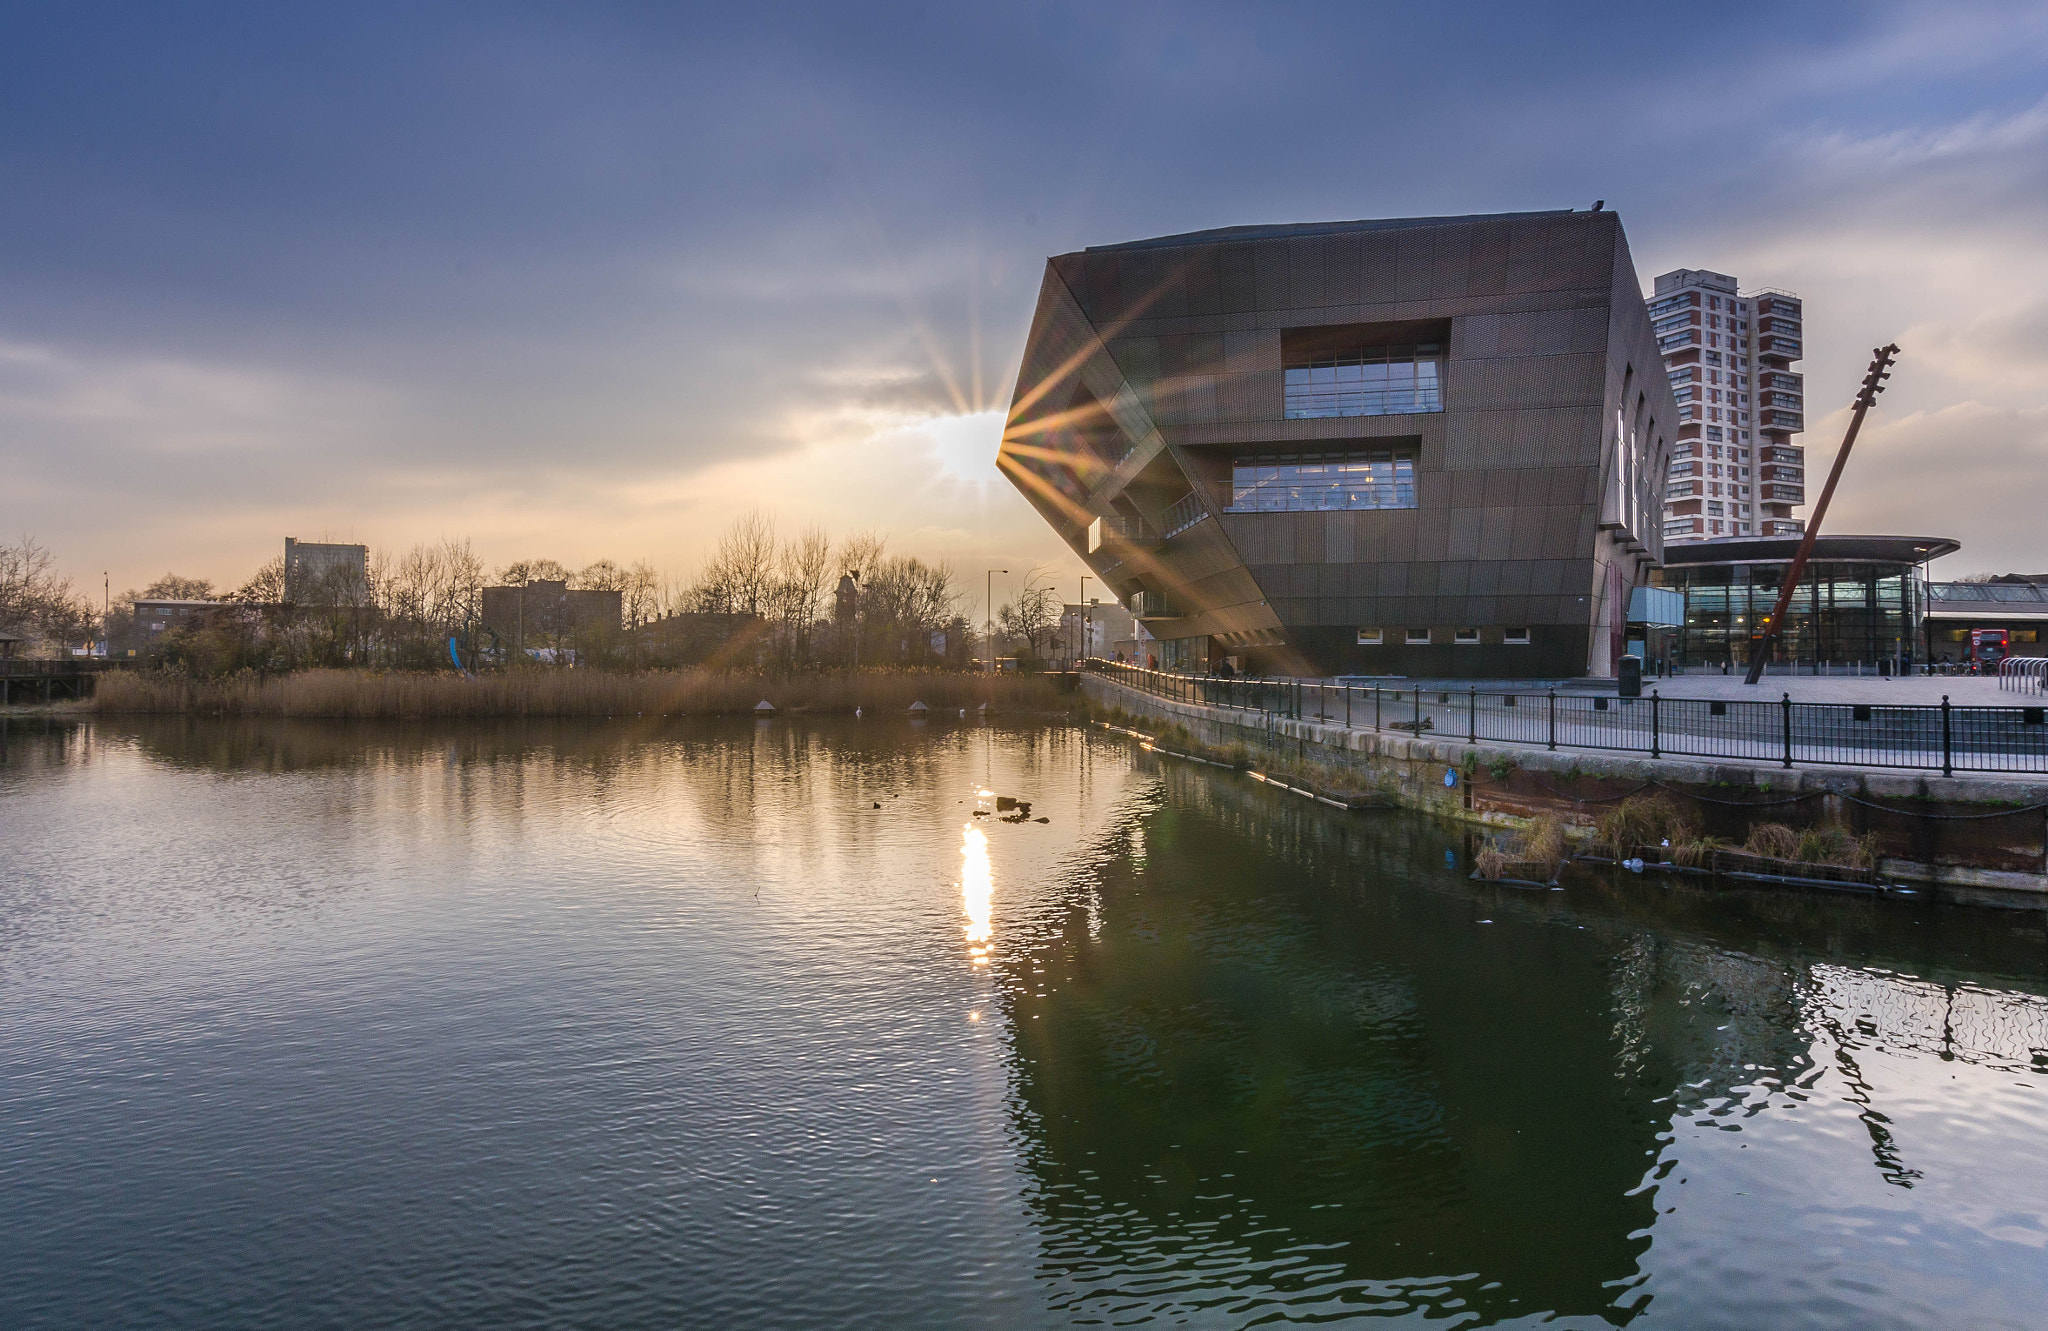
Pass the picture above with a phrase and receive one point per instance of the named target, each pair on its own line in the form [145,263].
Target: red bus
[1989,646]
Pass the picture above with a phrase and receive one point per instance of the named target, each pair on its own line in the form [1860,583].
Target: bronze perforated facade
[1431,447]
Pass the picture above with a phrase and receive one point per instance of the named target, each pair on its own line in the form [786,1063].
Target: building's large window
[1366,381]
[1317,482]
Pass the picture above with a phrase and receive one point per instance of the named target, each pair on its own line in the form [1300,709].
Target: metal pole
[1553,718]
[1655,740]
[1377,691]
[1084,619]
[1948,762]
[1786,707]
[1472,717]
[988,611]
[1873,384]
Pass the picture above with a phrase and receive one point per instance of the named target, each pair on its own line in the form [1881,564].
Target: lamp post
[988,609]
[1082,654]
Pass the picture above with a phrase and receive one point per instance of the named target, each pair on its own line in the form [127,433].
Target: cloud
[1949,472]
[583,282]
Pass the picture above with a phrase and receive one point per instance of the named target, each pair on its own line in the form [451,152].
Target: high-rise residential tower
[1734,468]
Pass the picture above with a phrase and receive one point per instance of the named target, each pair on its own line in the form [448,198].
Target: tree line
[761,599]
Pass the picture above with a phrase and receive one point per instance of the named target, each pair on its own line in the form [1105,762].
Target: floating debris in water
[764,707]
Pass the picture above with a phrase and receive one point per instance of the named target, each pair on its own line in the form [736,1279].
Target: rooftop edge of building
[1290,230]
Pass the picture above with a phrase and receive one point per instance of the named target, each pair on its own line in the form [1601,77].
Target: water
[634,1025]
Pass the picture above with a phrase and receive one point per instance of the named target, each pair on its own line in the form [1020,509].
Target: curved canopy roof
[1780,549]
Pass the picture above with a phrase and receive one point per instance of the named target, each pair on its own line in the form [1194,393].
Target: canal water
[758,1024]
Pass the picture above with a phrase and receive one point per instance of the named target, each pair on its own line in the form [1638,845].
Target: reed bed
[402,695]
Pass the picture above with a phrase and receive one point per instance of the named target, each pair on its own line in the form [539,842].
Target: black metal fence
[1946,738]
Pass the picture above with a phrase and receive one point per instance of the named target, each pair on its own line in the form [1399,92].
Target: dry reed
[1544,841]
[1641,820]
[1775,840]
[397,695]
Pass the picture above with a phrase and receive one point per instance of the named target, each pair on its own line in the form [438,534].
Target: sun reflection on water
[977,890]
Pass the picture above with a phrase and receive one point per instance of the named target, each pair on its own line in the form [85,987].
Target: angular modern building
[1430,447]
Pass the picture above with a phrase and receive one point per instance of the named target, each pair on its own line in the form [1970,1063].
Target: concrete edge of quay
[1948,850]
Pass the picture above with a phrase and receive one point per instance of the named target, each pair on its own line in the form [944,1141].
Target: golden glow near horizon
[977,891]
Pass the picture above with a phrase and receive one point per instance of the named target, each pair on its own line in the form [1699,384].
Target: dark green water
[626,1025]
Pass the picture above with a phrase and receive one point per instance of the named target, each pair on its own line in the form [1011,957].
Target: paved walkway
[1925,690]
[1917,690]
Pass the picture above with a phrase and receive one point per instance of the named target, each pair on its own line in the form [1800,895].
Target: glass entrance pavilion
[1861,598]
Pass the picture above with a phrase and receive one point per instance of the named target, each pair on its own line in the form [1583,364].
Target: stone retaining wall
[1996,848]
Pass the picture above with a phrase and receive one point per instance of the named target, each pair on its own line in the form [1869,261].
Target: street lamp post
[1083,653]
[988,610]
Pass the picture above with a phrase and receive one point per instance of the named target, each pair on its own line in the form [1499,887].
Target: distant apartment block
[316,573]
[544,613]
[1734,468]
[157,616]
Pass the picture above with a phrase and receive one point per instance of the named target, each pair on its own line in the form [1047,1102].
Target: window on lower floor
[1370,637]
[1323,482]
[1466,636]
[1517,637]
[1418,636]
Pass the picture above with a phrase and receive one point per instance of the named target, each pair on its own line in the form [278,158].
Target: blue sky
[583,281]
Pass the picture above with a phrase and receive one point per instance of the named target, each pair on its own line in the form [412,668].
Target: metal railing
[1182,514]
[2023,674]
[1947,739]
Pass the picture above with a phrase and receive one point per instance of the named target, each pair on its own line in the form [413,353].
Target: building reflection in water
[1276,1059]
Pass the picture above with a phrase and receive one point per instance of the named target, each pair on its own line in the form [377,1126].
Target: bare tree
[522,571]
[429,594]
[860,551]
[739,578]
[904,601]
[265,586]
[35,600]
[172,587]
[641,593]
[602,576]
[1035,615]
[803,576]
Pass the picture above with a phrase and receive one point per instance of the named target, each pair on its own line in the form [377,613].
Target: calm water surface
[670,1025]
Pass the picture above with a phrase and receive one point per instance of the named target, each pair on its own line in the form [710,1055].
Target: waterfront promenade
[1957,794]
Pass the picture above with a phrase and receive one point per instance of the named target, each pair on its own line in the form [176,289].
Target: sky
[586,281]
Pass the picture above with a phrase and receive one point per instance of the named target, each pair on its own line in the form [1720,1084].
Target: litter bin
[1884,667]
[1631,681]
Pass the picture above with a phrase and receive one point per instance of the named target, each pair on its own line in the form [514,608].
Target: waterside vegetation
[407,695]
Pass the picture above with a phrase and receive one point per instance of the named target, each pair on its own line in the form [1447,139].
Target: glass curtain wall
[1842,611]
[1366,381]
[1322,482]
